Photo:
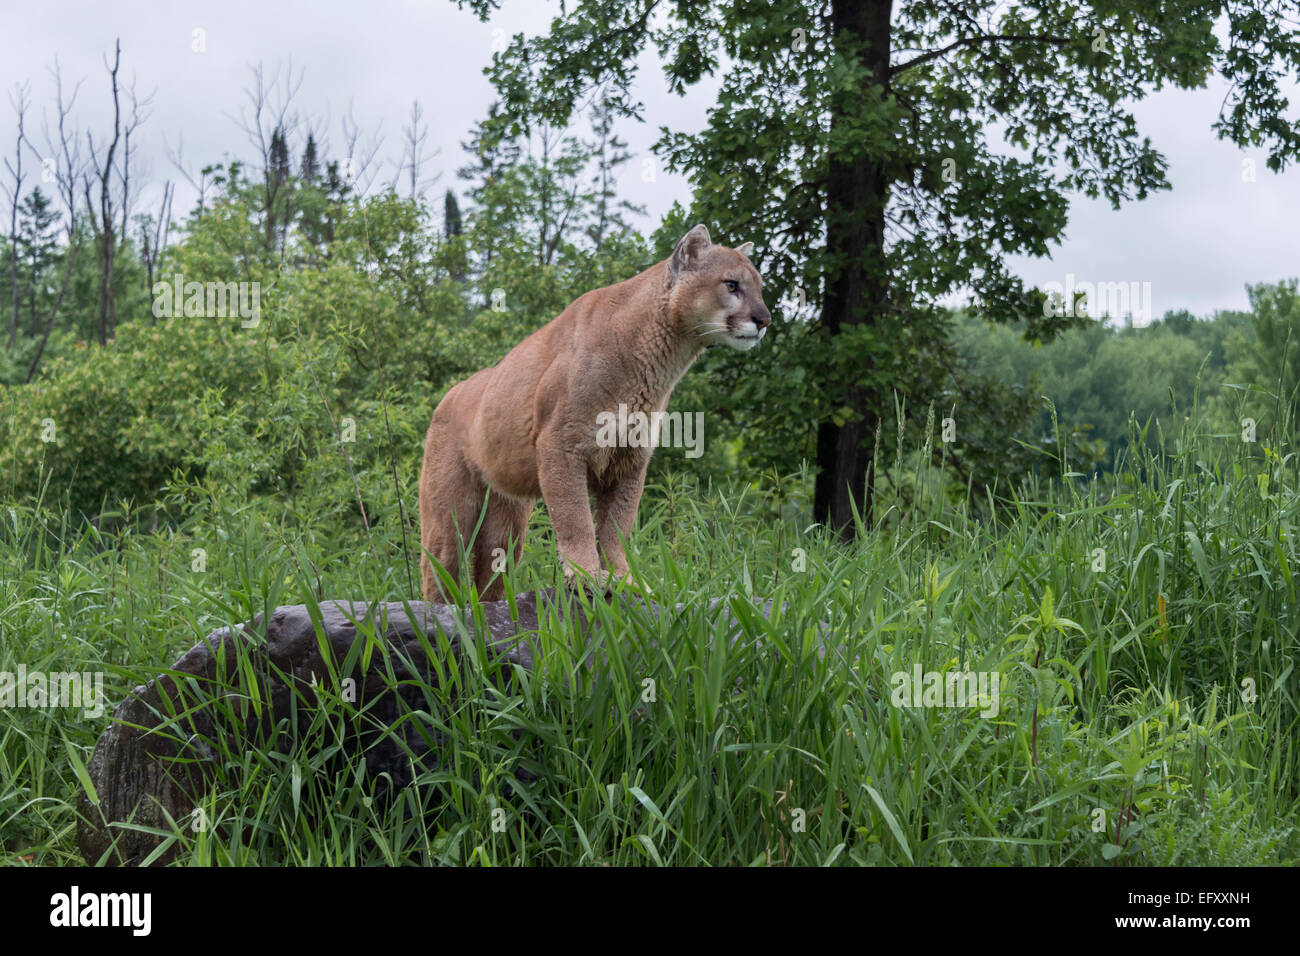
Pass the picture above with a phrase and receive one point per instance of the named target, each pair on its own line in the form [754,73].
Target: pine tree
[451,215]
[310,164]
[277,186]
[37,246]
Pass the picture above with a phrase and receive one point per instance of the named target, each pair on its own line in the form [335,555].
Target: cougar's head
[717,293]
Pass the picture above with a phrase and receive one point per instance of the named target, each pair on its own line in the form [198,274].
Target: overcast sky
[1198,244]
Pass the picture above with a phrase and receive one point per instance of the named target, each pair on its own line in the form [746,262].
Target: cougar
[527,427]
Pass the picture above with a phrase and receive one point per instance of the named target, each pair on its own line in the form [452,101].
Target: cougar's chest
[629,424]
[626,436]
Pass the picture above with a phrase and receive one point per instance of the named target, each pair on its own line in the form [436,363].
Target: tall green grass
[1143,627]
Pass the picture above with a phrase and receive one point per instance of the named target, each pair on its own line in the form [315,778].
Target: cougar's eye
[732,285]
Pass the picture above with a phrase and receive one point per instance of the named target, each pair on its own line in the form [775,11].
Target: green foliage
[1270,360]
[125,418]
[1101,379]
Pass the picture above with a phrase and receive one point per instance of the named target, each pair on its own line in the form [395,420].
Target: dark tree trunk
[107,248]
[858,292]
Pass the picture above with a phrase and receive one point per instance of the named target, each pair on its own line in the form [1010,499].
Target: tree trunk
[107,240]
[857,293]
[106,285]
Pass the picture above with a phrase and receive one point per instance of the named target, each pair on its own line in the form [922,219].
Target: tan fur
[526,428]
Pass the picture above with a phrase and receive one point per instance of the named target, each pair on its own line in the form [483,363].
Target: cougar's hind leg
[450,498]
[501,535]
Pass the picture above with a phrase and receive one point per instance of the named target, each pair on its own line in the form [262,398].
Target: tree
[609,153]
[18,99]
[319,206]
[1271,360]
[554,202]
[153,231]
[310,169]
[105,227]
[493,156]
[200,185]
[104,169]
[453,249]
[414,154]
[37,247]
[887,154]
[64,148]
[269,121]
[451,223]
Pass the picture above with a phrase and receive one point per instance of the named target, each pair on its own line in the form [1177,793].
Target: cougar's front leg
[616,514]
[562,474]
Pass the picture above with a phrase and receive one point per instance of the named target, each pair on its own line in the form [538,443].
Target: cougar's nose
[762,319]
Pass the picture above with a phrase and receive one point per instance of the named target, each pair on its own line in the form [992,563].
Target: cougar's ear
[745,248]
[688,252]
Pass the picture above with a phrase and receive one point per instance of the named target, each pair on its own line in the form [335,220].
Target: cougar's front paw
[597,582]
[629,580]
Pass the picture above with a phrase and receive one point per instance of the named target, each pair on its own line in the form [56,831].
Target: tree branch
[972,41]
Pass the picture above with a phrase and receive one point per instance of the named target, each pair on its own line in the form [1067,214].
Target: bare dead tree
[270,107]
[105,226]
[19,99]
[177,158]
[359,156]
[270,122]
[153,237]
[415,134]
[139,113]
[66,153]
